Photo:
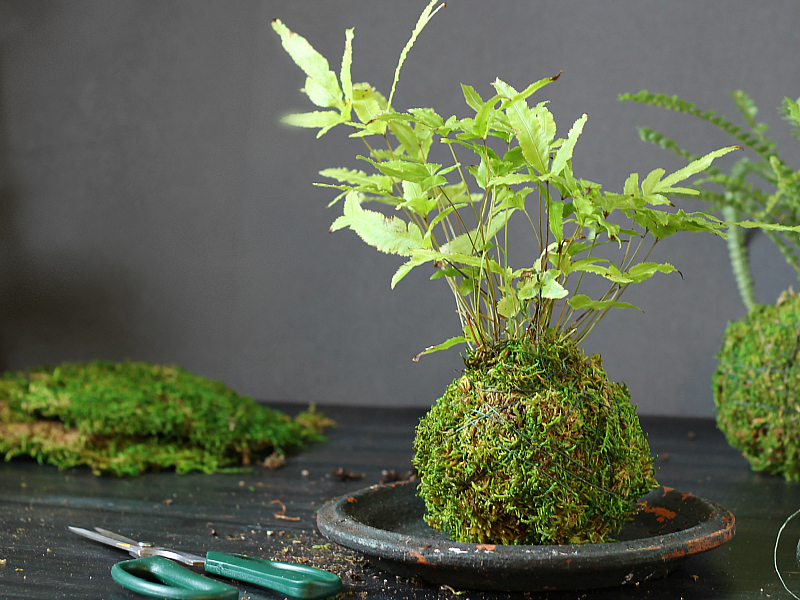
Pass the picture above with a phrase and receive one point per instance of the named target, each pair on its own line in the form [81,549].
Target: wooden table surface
[271,514]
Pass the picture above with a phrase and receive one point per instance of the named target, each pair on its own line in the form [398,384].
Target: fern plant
[532,444]
[506,161]
[760,186]
[757,379]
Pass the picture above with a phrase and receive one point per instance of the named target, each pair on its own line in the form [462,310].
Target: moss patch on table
[126,418]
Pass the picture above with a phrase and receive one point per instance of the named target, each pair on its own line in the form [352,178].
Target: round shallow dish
[386,523]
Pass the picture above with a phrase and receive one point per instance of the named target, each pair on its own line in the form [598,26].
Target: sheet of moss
[126,418]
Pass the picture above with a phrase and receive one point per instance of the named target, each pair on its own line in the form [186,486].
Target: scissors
[179,583]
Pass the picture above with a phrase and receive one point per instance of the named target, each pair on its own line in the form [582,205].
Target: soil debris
[313,419]
[281,513]
[343,474]
[392,476]
[275,461]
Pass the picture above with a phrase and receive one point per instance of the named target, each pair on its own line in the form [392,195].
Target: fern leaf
[791,112]
[754,142]
[388,234]
[659,139]
[347,61]
[322,87]
[427,15]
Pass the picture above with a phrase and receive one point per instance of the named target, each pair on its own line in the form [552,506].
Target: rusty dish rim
[357,521]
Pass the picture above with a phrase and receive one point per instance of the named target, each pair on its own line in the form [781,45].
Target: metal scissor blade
[103,536]
[139,549]
[119,538]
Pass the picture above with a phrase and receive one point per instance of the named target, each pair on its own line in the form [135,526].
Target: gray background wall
[152,207]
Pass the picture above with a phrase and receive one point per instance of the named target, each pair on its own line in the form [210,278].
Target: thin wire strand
[775,553]
[495,416]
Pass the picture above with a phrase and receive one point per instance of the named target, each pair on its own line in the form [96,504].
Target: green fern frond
[745,167]
[737,252]
[787,249]
[738,193]
[790,109]
[741,194]
[659,139]
[753,141]
[749,110]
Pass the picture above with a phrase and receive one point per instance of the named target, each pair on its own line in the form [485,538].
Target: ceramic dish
[386,524]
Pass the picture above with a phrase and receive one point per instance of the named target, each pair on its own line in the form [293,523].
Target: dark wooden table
[244,513]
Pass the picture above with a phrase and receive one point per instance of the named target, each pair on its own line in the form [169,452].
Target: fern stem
[737,251]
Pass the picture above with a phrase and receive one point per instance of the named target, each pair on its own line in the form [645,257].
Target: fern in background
[757,380]
[762,187]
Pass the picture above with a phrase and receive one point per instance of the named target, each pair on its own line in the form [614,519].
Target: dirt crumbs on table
[343,474]
[359,576]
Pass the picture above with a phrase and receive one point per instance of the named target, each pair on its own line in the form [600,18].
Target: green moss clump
[532,445]
[757,387]
[125,418]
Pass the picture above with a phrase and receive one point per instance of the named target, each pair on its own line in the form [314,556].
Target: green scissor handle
[177,583]
[298,581]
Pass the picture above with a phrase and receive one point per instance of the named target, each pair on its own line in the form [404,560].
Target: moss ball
[757,387]
[532,445]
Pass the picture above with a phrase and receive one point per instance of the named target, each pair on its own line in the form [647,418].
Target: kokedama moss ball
[757,387]
[532,445]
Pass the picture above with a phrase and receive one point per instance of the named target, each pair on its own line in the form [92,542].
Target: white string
[775,553]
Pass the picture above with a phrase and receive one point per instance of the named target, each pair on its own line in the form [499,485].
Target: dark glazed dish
[386,523]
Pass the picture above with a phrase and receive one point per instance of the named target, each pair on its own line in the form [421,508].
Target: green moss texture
[126,418]
[757,387]
[532,445]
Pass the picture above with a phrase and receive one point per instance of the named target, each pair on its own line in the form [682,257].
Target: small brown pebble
[275,461]
[418,581]
[353,575]
[344,475]
[391,476]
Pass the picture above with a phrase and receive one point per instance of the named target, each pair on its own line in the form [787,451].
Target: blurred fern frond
[760,186]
